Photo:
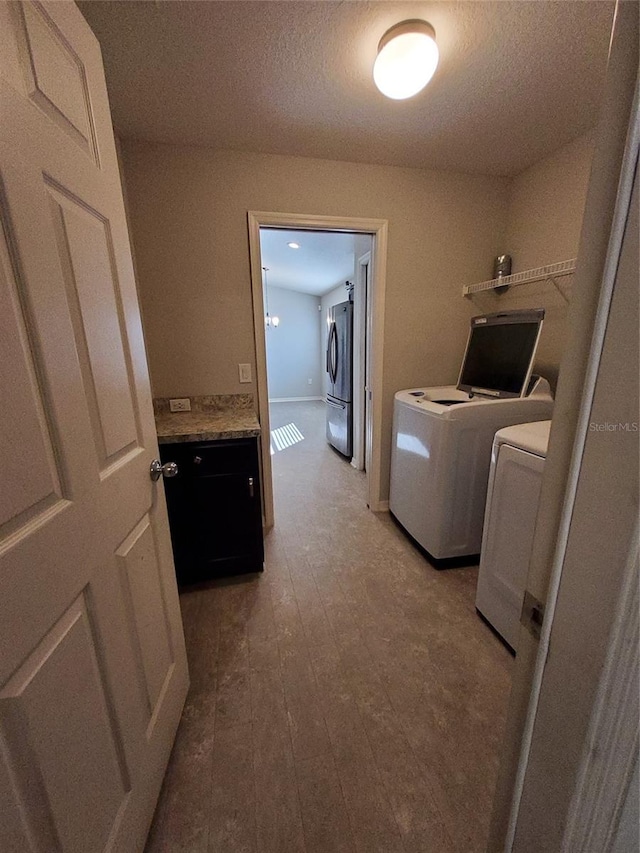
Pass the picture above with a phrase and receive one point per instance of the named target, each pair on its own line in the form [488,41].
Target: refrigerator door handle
[331,367]
[336,405]
[335,353]
[329,350]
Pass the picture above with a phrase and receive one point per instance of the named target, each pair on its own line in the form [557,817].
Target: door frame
[378,229]
[605,213]
[361,359]
[603,777]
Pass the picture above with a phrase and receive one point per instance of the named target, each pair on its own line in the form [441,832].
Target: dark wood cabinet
[214,508]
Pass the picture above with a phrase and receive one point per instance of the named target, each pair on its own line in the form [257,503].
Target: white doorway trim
[361,358]
[378,229]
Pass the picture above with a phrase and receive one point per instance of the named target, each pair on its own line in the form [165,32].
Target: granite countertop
[211,418]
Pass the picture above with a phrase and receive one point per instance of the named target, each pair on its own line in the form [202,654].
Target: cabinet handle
[250,487]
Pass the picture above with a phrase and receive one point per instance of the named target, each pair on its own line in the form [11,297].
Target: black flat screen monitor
[500,352]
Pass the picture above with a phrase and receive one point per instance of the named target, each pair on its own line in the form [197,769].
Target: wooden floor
[348,699]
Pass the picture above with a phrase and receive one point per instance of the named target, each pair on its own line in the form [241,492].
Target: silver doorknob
[157,469]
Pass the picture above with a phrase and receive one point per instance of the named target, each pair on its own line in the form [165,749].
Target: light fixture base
[414,25]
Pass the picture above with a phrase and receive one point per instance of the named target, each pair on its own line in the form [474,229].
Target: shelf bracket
[558,288]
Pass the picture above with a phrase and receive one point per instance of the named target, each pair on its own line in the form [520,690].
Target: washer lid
[444,400]
[533,437]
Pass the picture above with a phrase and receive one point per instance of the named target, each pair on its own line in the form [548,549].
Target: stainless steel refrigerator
[340,370]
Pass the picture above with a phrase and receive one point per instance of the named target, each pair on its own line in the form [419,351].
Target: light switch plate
[245,372]
[180,404]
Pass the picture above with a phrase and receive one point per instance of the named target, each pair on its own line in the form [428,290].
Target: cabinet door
[214,509]
[224,518]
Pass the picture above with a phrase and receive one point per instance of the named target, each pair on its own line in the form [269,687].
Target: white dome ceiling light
[407,59]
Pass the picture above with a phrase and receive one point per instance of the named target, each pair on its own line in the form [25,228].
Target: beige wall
[188,210]
[544,217]
[546,205]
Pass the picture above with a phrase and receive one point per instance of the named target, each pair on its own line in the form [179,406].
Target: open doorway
[315,288]
[342,263]
[312,346]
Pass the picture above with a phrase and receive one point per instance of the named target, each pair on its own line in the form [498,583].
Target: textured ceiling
[517,78]
[324,260]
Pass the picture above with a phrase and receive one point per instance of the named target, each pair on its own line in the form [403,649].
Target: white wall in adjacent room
[293,348]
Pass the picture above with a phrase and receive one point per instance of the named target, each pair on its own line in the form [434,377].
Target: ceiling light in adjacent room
[293,245]
[407,59]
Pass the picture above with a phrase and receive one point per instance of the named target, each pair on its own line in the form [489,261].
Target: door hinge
[532,615]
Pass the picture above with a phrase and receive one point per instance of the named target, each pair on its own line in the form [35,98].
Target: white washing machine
[440,460]
[517,463]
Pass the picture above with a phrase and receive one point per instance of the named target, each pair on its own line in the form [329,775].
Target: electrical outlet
[245,372]
[180,404]
[310,381]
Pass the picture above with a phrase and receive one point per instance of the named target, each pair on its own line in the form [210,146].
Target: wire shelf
[549,272]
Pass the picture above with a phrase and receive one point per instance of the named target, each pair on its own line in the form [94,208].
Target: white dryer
[517,462]
[440,460]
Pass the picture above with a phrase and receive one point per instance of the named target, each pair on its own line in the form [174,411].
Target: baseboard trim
[293,399]
[381,506]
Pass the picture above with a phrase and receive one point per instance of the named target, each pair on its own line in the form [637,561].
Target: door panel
[30,482]
[518,480]
[85,252]
[512,505]
[55,75]
[89,772]
[92,665]
[139,566]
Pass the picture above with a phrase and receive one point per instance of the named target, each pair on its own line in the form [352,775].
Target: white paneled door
[92,663]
